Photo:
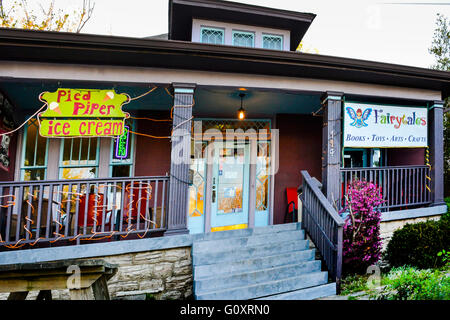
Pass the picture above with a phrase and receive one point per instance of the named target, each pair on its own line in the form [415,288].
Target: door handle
[214,196]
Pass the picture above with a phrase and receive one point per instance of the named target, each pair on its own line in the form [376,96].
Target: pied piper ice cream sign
[382,126]
[82,113]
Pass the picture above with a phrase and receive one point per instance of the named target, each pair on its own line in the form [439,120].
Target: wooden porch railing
[63,212]
[402,187]
[323,224]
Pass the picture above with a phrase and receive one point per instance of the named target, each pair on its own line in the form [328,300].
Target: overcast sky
[395,31]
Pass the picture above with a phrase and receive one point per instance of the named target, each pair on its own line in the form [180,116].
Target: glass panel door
[229,204]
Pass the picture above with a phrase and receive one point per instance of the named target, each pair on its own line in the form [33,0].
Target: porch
[38,214]
[172,182]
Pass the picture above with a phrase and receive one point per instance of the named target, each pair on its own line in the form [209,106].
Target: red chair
[95,210]
[135,203]
[292,207]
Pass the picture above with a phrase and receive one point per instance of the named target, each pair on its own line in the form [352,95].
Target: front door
[230,186]
[231,178]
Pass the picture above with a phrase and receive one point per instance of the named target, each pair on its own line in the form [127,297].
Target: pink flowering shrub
[362,242]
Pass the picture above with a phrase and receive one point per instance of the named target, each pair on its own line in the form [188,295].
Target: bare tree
[20,14]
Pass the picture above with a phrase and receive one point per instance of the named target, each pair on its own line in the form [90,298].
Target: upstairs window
[243,39]
[212,35]
[271,41]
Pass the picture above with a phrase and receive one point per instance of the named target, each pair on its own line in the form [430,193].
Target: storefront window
[122,148]
[376,158]
[35,148]
[79,158]
[363,158]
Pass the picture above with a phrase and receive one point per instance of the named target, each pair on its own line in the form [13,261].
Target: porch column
[436,145]
[331,145]
[180,158]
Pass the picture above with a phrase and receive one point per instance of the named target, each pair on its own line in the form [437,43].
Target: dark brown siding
[9,175]
[300,148]
[405,157]
[153,155]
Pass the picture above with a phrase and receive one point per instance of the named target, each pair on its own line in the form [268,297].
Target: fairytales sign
[82,113]
[383,126]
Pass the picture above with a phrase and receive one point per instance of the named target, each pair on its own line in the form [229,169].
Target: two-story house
[217,124]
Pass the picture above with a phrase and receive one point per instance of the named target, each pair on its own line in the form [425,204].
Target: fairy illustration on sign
[359,117]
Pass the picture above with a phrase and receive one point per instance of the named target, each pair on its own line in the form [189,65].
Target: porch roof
[60,47]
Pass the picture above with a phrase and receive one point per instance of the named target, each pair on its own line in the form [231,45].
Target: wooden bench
[79,276]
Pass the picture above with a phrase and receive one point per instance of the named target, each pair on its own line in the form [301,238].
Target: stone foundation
[159,274]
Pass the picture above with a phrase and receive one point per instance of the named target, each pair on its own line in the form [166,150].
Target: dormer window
[272,41]
[239,35]
[243,39]
[212,35]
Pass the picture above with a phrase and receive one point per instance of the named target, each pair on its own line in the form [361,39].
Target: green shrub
[408,283]
[447,214]
[418,244]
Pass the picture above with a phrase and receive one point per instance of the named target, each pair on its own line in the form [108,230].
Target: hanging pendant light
[241,111]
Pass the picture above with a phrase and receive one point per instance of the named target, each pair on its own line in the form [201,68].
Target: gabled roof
[181,13]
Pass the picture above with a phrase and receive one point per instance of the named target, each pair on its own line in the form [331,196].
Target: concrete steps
[316,292]
[273,262]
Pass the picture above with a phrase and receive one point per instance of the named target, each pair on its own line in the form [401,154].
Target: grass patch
[409,283]
[360,283]
[354,283]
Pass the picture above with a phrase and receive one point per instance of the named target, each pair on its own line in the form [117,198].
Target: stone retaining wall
[161,274]
[387,228]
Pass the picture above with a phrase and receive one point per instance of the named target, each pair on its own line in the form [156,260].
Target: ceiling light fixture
[241,111]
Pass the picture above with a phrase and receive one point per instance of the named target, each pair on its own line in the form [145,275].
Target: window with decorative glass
[34,153]
[212,35]
[122,149]
[262,175]
[197,188]
[272,41]
[79,158]
[243,39]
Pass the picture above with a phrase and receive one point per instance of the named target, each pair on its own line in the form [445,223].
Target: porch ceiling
[257,102]
[25,94]
[209,101]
